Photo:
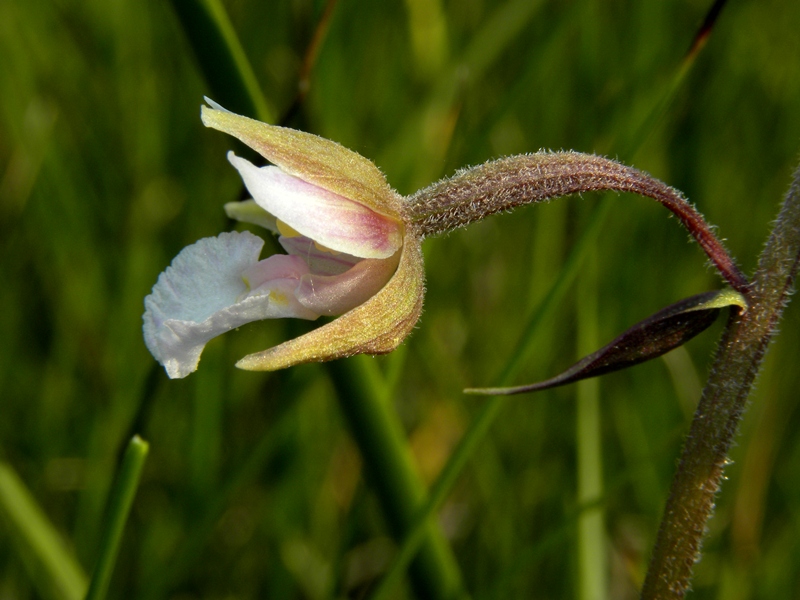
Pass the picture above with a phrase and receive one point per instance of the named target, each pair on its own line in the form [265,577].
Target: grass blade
[53,569]
[221,58]
[122,496]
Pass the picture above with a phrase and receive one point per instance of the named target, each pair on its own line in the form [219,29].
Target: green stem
[592,554]
[525,347]
[491,407]
[705,454]
[119,507]
[434,572]
[221,58]
[390,468]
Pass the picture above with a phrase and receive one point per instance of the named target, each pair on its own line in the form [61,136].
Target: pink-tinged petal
[313,159]
[375,327]
[277,266]
[329,219]
[336,294]
[202,294]
[320,262]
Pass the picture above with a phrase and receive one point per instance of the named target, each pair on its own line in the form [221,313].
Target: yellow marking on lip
[278,298]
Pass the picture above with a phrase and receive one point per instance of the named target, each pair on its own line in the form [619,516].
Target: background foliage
[253,487]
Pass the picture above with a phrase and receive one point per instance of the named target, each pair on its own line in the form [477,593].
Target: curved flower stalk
[353,244]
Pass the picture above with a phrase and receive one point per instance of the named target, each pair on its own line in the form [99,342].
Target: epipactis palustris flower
[353,244]
[349,253]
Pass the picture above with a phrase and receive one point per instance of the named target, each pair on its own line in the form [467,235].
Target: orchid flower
[353,244]
[349,253]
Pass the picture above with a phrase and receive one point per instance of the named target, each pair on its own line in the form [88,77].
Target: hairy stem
[705,454]
[472,194]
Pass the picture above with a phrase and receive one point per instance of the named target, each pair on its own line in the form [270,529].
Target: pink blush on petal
[277,266]
[332,220]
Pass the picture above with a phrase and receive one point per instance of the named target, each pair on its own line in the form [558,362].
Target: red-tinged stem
[472,194]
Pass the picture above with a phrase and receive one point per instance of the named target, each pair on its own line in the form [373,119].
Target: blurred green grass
[253,486]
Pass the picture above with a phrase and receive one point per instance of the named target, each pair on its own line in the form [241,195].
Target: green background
[253,486]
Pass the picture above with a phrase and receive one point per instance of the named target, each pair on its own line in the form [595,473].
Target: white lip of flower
[219,284]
